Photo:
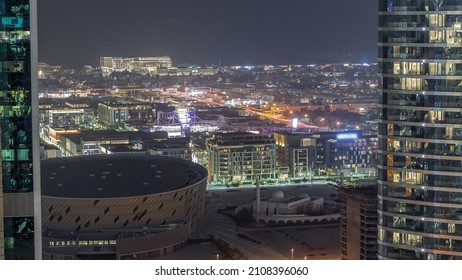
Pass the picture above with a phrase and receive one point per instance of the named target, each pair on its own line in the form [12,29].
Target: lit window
[451,228]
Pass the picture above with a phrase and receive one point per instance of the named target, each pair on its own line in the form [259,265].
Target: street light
[292,253]
[218,257]
[338,126]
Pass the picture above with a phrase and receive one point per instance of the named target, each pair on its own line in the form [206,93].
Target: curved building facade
[420,129]
[120,206]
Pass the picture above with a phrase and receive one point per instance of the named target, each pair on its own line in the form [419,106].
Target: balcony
[402,256]
[369,242]
[400,24]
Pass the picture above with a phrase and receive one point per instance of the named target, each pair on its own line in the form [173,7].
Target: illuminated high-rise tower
[420,129]
[20,219]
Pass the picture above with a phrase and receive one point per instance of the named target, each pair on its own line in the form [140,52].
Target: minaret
[257,185]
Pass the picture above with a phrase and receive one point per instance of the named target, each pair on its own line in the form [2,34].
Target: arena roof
[117,176]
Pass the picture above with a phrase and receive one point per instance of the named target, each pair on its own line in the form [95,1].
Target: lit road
[278,119]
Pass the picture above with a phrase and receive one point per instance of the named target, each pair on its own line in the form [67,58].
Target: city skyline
[330,114]
[207,32]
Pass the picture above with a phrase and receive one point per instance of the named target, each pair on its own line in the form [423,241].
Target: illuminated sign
[347,136]
[294,122]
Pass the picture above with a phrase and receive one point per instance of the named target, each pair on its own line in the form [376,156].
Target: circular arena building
[119,206]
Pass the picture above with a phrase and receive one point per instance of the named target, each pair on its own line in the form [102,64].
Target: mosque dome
[278,194]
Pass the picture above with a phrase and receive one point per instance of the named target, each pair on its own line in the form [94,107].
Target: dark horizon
[203,32]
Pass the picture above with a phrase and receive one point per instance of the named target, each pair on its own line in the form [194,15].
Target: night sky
[237,32]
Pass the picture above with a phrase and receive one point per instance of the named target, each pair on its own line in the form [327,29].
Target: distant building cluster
[241,125]
[161,66]
[143,196]
[120,114]
[137,64]
[46,71]
[231,157]
[132,189]
[241,156]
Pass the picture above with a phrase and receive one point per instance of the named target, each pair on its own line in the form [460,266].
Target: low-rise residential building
[89,142]
[66,115]
[297,152]
[170,147]
[240,156]
[112,114]
[116,114]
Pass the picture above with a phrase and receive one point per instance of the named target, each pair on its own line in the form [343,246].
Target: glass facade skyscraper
[20,195]
[420,129]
